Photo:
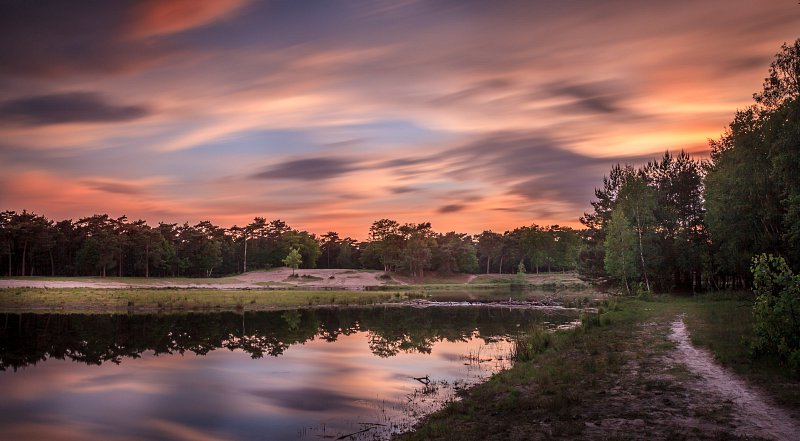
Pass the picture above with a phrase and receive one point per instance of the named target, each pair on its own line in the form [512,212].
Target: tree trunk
[641,250]
[487,264]
[244,265]
[501,263]
[119,273]
[24,252]
[147,260]
[52,263]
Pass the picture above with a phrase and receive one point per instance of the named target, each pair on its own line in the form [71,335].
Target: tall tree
[621,250]
[490,246]
[385,241]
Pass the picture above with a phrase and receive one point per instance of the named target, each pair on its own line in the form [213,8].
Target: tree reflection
[26,339]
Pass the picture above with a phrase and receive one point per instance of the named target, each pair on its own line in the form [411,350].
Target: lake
[278,375]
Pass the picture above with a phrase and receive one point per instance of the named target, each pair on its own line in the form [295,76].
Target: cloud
[403,189]
[52,38]
[70,107]
[309,399]
[153,17]
[594,97]
[451,208]
[114,187]
[312,169]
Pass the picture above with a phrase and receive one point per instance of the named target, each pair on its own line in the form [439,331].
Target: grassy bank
[177,299]
[115,300]
[612,379]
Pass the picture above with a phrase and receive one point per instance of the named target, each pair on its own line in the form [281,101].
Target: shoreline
[100,300]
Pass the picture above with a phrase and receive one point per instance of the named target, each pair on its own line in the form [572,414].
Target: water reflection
[334,369]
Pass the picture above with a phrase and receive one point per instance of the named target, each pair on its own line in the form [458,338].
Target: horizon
[335,115]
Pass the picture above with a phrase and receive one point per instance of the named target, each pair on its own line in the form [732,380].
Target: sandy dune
[277,278]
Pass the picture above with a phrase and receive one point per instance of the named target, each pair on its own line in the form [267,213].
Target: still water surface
[281,375]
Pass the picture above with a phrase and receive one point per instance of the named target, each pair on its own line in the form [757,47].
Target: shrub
[776,311]
[528,345]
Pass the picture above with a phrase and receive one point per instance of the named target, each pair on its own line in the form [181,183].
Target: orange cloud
[155,17]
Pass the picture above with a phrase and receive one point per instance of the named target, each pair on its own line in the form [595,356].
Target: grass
[274,294]
[114,300]
[556,374]
[135,280]
[565,384]
[433,278]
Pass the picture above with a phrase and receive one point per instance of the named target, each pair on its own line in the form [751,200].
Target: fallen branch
[355,433]
[424,380]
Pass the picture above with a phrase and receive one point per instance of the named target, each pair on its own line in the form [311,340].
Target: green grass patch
[136,280]
[563,380]
[114,300]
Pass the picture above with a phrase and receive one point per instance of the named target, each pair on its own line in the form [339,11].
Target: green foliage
[752,186]
[293,260]
[701,221]
[620,254]
[520,278]
[776,311]
[536,341]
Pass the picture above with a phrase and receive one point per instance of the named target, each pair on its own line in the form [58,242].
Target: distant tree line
[101,245]
[680,223]
[416,248]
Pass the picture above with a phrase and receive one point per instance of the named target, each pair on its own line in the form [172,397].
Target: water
[283,375]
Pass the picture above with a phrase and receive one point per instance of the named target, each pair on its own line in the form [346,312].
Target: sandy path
[753,413]
[27,283]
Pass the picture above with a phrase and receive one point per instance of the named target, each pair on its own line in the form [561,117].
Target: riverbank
[345,288]
[115,300]
[669,369]
[315,280]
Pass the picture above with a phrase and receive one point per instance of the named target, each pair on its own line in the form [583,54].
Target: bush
[776,311]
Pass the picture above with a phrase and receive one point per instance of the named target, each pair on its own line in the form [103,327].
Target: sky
[331,114]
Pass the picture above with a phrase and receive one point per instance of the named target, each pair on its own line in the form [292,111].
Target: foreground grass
[112,300]
[609,380]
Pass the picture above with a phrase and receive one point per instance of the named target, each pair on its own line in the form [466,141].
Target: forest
[101,245]
[684,224]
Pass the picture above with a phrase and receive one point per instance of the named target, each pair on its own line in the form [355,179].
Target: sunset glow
[332,114]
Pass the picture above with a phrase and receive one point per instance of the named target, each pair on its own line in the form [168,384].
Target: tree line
[101,245]
[683,224]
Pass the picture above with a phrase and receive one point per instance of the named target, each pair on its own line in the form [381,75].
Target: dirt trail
[753,414]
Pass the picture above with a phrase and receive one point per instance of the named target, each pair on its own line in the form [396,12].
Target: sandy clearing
[315,278]
[753,413]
